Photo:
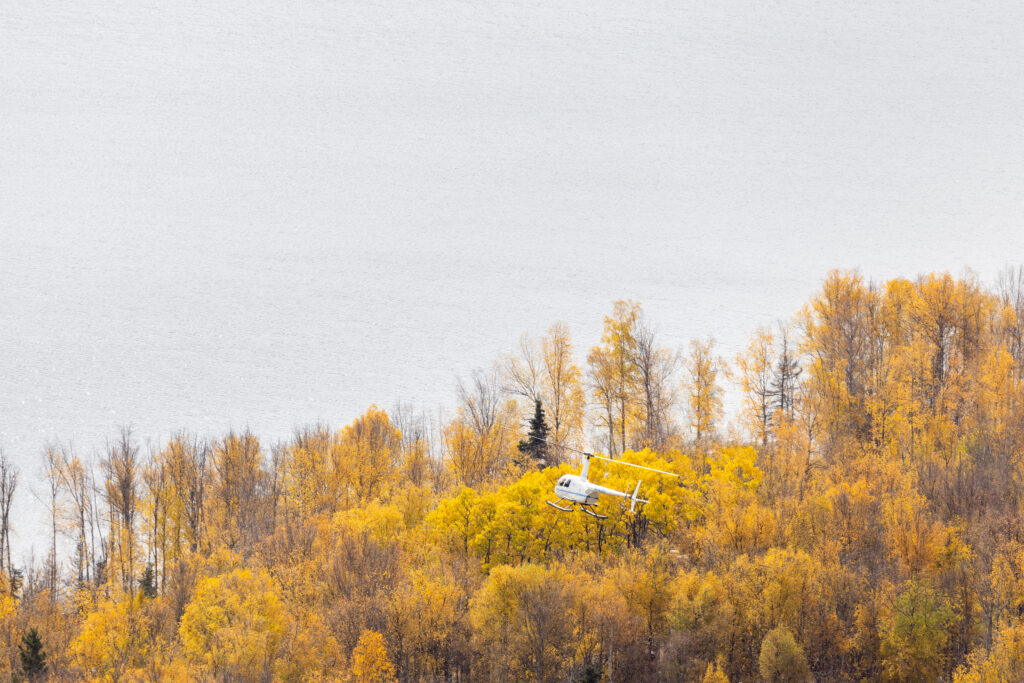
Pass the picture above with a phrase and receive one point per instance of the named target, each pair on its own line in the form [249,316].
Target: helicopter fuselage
[576,489]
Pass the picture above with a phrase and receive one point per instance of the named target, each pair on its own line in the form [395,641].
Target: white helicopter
[577,490]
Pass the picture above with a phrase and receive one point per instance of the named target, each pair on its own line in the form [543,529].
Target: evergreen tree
[589,673]
[33,659]
[535,445]
[148,582]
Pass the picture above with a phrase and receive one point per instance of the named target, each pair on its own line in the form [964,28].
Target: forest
[858,514]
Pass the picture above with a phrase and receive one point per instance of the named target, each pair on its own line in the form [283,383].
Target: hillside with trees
[859,516]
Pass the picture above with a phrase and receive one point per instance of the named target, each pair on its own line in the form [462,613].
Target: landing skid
[582,506]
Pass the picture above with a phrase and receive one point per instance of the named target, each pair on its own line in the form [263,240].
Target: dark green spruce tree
[148,582]
[535,445]
[33,659]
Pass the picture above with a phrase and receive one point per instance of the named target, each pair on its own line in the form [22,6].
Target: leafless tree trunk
[278,466]
[1010,286]
[601,378]
[481,400]
[96,540]
[122,481]
[51,471]
[656,368]
[155,479]
[566,400]
[786,378]
[547,373]
[485,411]
[188,467]
[74,478]
[418,441]
[522,374]
[8,485]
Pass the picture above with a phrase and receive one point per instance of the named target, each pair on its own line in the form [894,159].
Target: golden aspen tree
[1004,661]
[1002,592]
[715,674]
[364,560]
[237,491]
[647,582]
[780,587]
[422,616]
[949,341]
[308,651]
[370,661]
[479,443]
[703,393]
[522,626]
[734,522]
[456,521]
[367,457]
[186,461]
[914,634]
[614,375]
[564,398]
[233,626]
[312,483]
[837,340]
[609,621]
[888,402]
[781,658]
[115,643]
[9,634]
[936,319]
[701,611]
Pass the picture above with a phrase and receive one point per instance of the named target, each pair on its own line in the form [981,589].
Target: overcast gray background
[223,214]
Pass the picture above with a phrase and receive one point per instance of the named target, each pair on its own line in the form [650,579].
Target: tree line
[858,518]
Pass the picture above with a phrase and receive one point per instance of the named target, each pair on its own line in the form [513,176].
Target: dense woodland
[860,517]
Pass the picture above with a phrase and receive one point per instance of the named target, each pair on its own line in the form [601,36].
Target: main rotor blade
[591,455]
[550,443]
[623,462]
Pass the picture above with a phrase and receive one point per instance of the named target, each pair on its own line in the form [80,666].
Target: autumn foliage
[853,512]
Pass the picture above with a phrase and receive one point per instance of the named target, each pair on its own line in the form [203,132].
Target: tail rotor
[634,500]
